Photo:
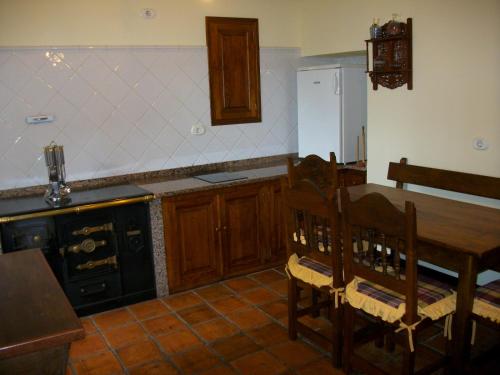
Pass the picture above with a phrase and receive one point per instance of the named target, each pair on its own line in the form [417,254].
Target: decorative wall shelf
[392,65]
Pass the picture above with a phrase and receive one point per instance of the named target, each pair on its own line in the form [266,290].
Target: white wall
[118,22]
[456,82]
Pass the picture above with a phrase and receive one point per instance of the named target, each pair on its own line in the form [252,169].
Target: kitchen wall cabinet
[234,70]
[222,233]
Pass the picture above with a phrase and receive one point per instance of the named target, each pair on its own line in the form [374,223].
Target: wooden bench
[468,183]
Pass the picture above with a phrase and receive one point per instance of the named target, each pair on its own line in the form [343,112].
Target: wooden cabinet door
[242,228]
[192,240]
[234,72]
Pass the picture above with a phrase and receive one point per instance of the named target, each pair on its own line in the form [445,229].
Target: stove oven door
[89,257]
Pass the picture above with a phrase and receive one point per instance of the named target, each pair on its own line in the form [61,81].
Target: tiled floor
[233,327]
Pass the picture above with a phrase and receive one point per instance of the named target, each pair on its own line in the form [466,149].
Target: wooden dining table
[455,235]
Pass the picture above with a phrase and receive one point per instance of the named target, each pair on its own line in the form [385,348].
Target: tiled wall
[126,110]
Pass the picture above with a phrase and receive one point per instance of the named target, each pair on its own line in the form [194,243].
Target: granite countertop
[191,184]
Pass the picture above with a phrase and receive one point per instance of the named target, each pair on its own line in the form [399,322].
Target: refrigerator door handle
[336,82]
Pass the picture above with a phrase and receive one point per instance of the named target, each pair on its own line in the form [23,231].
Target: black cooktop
[18,206]
[215,178]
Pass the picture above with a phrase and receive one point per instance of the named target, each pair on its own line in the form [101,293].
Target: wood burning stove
[101,257]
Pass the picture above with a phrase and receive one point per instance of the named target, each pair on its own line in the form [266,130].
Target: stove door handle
[85,231]
[87,246]
[91,264]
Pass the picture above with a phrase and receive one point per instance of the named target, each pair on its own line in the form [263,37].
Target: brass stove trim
[77,209]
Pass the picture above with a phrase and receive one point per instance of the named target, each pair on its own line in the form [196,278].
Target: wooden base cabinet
[221,233]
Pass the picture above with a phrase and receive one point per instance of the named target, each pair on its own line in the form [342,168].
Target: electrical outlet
[197,129]
[480,144]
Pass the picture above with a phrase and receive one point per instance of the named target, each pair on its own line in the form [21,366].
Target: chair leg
[348,346]
[314,301]
[292,308]
[409,357]
[390,344]
[336,319]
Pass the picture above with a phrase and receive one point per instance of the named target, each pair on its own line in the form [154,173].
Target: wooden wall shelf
[392,64]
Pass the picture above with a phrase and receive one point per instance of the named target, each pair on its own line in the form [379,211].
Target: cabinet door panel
[242,228]
[191,242]
[233,62]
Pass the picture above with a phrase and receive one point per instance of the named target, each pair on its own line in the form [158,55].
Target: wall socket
[480,144]
[197,129]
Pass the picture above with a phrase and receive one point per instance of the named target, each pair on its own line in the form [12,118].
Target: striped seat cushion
[487,301]
[316,266]
[435,299]
[310,271]
[429,291]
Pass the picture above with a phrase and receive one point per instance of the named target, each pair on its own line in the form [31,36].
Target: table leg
[461,322]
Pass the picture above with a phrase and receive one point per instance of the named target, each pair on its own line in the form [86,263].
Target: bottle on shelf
[394,26]
[375,29]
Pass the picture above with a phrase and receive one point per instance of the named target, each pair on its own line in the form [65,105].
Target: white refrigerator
[331,110]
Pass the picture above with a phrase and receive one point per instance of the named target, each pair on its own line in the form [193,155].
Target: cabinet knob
[217,229]
[224,227]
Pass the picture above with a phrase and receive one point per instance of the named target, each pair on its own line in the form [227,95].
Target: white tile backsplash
[128,110]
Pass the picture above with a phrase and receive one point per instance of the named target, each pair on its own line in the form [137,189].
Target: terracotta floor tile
[248,318]
[277,309]
[268,276]
[149,309]
[163,324]
[323,366]
[89,345]
[222,370]
[103,363]
[197,314]
[260,296]
[228,304]
[124,335]
[241,284]
[318,323]
[113,318]
[139,352]
[215,291]
[155,368]
[270,334]
[178,341]
[88,325]
[198,359]
[215,329]
[280,287]
[261,363]
[182,301]
[294,353]
[235,347]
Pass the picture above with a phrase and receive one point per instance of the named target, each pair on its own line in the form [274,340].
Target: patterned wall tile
[127,110]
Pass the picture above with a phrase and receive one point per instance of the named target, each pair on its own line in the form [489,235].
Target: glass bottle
[394,26]
[375,29]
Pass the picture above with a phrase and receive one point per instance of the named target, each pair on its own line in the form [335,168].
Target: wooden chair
[382,283]
[324,175]
[314,258]
[320,172]
[467,183]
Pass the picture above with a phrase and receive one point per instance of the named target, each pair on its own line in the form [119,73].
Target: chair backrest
[468,183]
[312,224]
[375,233]
[313,168]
